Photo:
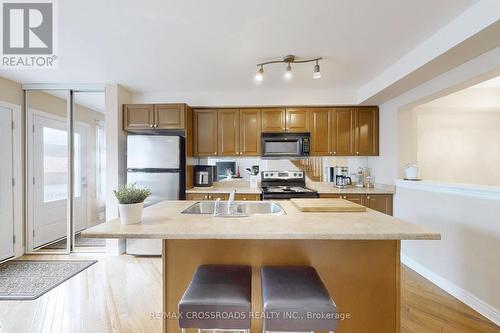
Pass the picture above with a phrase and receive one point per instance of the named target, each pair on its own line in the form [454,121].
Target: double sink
[234,208]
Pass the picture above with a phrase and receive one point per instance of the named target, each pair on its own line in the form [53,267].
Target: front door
[50,163]
[6,189]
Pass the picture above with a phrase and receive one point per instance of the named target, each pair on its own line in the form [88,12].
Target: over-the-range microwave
[282,145]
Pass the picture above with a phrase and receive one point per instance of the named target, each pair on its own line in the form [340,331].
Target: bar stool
[295,300]
[217,298]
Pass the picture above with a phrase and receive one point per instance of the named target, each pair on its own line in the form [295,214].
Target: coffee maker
[340,176]
[203,175]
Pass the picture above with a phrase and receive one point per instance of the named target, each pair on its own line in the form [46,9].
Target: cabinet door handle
[283,128]
[244,199]
[357,153]
[151,125]
[215,153]
[334,153]
[368,197]
[205,197]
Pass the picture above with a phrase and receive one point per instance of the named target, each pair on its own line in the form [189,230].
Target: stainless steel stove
[285,185]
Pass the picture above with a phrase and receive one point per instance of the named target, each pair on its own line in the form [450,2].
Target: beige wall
[11,92]
[459,146]
[466,260]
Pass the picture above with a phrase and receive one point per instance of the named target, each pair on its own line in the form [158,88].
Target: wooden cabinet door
[380,202]
[297,120]
[320,132]
[356,198]
[343,131]
[169,116]
[247,197]
[366,138]
[250,132]
[138,116]
[205,132]
[273,120]
[229,132]
[197,196]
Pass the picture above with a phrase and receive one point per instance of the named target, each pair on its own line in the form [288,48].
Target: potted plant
[131,199]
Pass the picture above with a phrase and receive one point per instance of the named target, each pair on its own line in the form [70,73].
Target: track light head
[316,72]
[288,72]
[260,74]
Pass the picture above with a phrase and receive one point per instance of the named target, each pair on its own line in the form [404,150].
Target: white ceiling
[204,46]
[493,83]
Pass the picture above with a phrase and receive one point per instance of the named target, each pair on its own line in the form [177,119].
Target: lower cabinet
[378,202]
[222,196]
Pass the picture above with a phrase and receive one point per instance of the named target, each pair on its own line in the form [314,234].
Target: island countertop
[165,221]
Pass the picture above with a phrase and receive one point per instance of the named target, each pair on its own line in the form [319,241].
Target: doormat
[30,279]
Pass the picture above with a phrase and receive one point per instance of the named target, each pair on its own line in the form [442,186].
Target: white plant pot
[131,213]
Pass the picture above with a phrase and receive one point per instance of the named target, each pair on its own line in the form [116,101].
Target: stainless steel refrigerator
[156,162]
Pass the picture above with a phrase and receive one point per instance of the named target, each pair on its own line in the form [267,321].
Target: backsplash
[354,163]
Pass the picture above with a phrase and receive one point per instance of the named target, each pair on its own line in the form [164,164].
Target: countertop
[243,187]
[165,221]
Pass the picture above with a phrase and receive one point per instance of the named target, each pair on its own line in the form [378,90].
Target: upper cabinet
[297,120]
[273,120]
[138,116]
[321,131]
[250,132]
[285,120]
[141,117]
[205,132]
[366,131]
[170,116]
[335,131]
[344,131]
[238,133]
[229,132]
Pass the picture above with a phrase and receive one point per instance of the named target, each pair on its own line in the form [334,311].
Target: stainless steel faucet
[231,197]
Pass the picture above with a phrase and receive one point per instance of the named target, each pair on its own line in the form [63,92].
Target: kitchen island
[356,254]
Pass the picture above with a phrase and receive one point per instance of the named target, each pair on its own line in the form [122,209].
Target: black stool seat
[297,298]
[218,296]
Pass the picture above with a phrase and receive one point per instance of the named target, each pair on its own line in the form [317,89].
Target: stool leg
[183,330]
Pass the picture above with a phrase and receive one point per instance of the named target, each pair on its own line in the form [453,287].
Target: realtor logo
[28,34]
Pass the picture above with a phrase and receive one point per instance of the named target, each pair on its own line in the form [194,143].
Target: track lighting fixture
[260,74]
[316,72]
[288,72]
[289,59]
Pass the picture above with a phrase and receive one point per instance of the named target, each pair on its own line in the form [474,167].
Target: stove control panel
[270,175]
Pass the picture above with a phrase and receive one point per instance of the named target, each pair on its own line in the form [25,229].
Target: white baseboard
[462,295]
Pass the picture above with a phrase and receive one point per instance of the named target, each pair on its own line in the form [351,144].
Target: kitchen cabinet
[142,117]
[138,116]
[343,131]
[378,202]
[291,120]
[250,132]
[332,131]
[169,116]
[366,131]
[205,132]
[229,132]
[274,120]
[297,120]
[247,197]
[321,132]
[222,196]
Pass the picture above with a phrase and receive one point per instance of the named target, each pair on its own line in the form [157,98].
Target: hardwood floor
[118,294]
[427,308]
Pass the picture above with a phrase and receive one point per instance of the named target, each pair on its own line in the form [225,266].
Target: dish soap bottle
[238,172]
